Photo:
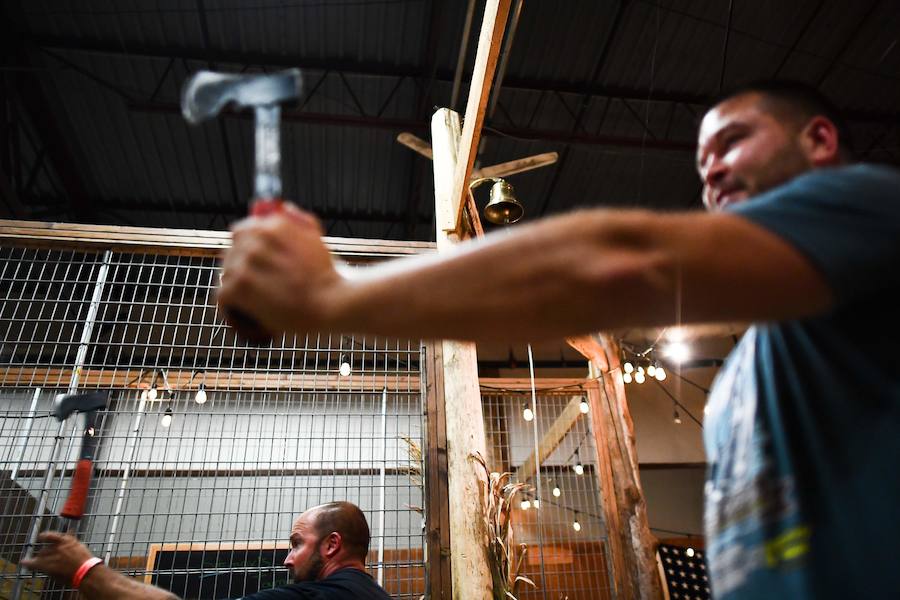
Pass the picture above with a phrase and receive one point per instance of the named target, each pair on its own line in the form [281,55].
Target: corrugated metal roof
[623,120]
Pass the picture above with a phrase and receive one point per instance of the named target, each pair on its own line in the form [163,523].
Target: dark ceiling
[91,130]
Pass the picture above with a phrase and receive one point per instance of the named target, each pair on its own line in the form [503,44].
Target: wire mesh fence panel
[559,515]
[208,448]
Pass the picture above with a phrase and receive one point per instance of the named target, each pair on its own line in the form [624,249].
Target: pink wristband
[83,569]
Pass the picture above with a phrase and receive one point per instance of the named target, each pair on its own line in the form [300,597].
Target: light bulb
[578,468]
[678,352]
[676,417]
[144,395]
[627,378]
[583,407]
[536,503]
[706,409]
[576,525]
[152,393]
[200,398]
[660,374]
[525,505]
[639,377]
[166,418]
[689,552]
[528,414]
[628,367]
[651,370]
[345,369]
[557,492]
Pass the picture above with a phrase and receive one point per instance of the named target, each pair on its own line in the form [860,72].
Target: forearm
[103,583]
[558,277]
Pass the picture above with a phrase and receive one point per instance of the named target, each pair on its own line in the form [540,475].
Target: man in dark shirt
[329,544]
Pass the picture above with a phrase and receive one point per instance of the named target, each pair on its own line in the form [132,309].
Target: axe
[88,404]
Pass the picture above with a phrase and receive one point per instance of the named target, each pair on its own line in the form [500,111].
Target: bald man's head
[346,519]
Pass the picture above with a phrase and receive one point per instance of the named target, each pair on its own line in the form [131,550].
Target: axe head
[206,93]
[65,404]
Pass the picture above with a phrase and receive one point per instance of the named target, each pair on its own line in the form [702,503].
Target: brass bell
[503,208]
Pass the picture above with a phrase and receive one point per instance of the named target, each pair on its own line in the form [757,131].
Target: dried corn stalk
[505,557]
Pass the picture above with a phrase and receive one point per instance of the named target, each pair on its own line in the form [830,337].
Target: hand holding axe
[204,96]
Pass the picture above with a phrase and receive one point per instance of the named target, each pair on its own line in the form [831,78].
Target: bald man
[329,544]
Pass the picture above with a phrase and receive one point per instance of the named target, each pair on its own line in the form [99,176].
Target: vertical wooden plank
[437,511]
[469,569]
[493,26]
[631,544]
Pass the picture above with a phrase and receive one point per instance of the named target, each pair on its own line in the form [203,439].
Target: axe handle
[245,325]
[81,483]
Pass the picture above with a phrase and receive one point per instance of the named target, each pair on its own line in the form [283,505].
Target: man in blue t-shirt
[804,422]
[329,544]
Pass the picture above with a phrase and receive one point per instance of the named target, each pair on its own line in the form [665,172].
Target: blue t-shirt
[803,430]
[346,584]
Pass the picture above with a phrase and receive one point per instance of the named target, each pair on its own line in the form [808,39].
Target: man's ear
[819,139]
[332,544]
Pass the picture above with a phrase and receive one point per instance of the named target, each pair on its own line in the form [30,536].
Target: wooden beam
[551,439]
[469,570]
[178,241]
[356,383]
[632,546]
[492,28]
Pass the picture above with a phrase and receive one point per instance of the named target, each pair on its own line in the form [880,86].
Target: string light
[536,503]
[578,468]
[675,416]
[660,374]
[152,393]
[689,552]
[583,406]
[200,398]
[344,369]
[627,378]
[145,395]
[628,367]
[166,418]
[639,376]
[527,413]
[651,370]
[556,491]
[575,524]
[526,504]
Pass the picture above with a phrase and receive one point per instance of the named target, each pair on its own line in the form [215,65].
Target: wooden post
[454,155]
[631,544]
[469,570]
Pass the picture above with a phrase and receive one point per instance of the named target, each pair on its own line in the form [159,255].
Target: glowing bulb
[578,468]
[639,377]
[675,334]
[525,505]
[583,407]
[706,409]
[144,395]
[576,525]
[627,378]
[660,374]
[651,370]
[678,352]
[628,367]
[166,418]
[676,417]
[200,398]
[344,369]
[556,492]
[536,503]
[689,552]
[528,414]
[152,393]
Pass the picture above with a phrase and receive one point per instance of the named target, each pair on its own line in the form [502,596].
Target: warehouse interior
[114,211]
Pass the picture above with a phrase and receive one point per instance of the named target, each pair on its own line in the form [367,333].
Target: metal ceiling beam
[380,69]
[34,102]
[538,135]
[189,207]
